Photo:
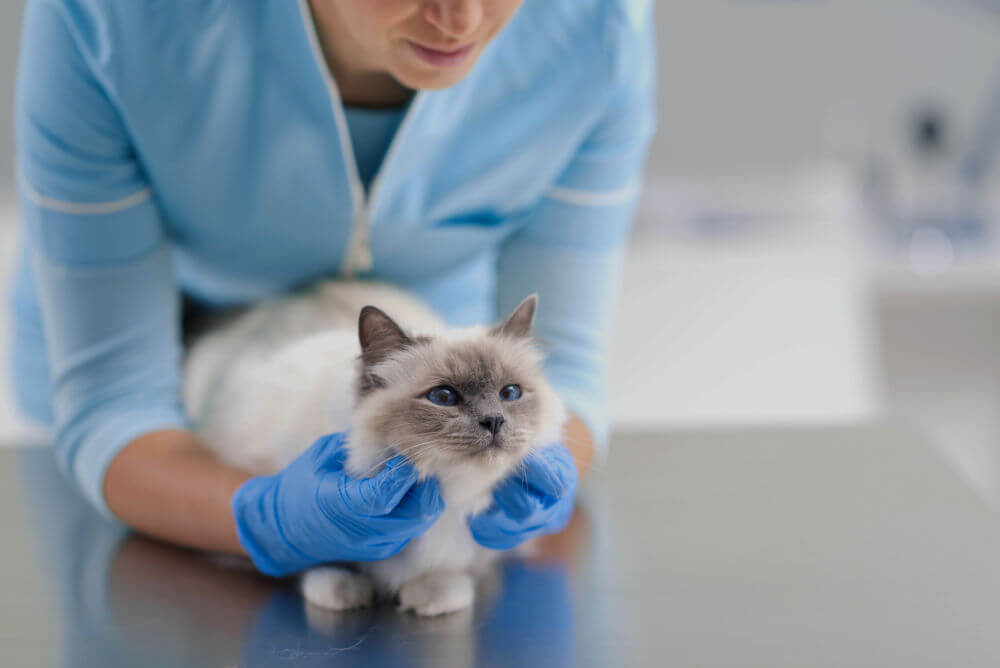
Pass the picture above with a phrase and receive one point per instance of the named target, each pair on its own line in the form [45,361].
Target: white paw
[437,593]
[335,588]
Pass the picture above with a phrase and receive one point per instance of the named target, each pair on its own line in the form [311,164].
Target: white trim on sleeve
[579,197]
[81,208]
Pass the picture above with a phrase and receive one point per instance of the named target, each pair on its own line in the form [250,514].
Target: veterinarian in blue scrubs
[223,151]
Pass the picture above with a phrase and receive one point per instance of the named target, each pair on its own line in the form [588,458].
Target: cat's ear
[519,322]
[379,335]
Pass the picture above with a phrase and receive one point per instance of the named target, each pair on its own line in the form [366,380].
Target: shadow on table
[125,600]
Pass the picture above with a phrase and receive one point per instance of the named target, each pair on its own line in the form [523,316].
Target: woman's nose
[455,18]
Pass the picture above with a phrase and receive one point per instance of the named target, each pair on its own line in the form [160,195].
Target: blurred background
[817,241]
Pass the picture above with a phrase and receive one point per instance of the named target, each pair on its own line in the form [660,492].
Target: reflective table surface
[803,547]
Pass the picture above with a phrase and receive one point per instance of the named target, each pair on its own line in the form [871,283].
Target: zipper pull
[359,255]
[364,256]
[359,259]
[362,251]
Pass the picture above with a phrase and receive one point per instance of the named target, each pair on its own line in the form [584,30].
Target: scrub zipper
[358,255]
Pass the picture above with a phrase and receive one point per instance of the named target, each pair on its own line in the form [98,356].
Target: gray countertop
[799,547]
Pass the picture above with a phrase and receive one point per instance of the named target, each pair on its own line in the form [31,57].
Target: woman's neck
[359,82]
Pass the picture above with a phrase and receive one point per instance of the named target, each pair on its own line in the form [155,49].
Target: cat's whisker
[409,452]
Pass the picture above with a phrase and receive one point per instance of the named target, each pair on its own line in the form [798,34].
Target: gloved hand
[313,512]
[536,499]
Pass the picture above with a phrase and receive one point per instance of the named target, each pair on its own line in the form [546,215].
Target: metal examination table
[853,546]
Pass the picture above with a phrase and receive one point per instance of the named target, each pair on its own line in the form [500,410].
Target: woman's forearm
[580,443]
[166,485]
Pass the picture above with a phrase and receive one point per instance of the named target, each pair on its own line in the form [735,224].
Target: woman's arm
[577,438]
[101,273]
[570,247]
[102,277]
[311,512]
[166,485]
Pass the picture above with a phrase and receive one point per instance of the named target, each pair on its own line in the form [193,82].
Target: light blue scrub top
[371,133]
[201,148]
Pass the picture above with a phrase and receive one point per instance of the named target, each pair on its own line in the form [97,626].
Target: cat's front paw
[335,588]
[437,593]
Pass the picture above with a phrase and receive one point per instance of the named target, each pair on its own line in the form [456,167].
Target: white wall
[10,21]
[763,83]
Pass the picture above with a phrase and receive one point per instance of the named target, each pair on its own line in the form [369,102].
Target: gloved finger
[328,451]
[383,549]
[501,541]
[499,532]
[422,502]
[381,494]
[421,506]
[491,520]
[551,471]
[391,484]
[563,514]
[518,500]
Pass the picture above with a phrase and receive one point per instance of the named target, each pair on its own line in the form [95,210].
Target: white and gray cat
[264,385]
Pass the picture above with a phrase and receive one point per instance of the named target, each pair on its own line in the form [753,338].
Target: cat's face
[475,396]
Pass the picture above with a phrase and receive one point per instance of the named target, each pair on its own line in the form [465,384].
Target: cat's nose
[492,422]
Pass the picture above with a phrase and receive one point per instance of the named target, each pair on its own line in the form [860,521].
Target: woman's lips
[439,58]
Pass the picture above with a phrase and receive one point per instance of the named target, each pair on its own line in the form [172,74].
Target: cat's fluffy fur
[263,386]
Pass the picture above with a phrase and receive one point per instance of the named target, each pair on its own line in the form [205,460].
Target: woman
[473,151]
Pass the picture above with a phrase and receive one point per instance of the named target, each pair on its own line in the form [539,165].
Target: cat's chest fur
[448,544]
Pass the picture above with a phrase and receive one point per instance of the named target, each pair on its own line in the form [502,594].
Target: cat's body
[262,387]
[262,384]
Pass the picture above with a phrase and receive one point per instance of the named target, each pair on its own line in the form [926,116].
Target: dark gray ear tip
[371,319]
[530,303]
[521,319]
[370,311]
[379,334]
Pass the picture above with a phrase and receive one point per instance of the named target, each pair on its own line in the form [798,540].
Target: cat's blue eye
[510,392]
[442,395]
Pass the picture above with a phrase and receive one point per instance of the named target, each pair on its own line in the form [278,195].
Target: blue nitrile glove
[313,512]
[536,499]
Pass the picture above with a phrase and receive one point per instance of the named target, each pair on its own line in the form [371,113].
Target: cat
[263,385]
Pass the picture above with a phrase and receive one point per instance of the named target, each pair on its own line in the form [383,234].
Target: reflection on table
[126,600]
